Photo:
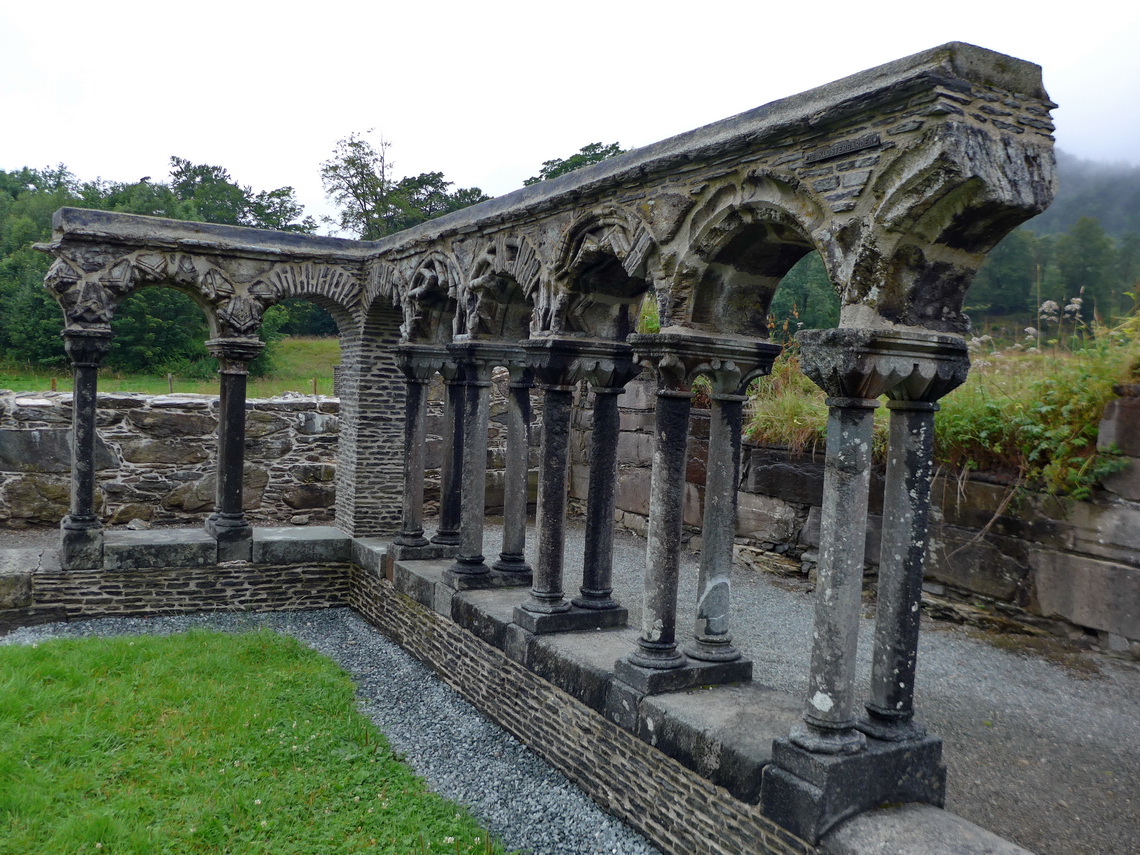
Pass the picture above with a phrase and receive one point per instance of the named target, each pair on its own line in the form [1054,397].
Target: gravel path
[1042,741]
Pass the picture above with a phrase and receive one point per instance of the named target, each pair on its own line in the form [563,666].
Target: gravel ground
[1042,740]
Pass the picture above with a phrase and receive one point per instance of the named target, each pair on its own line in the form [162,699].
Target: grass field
[298,361]
[203,743]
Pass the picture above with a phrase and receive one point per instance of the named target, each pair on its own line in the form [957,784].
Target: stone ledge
[915,829]
[291,545]
[135,550]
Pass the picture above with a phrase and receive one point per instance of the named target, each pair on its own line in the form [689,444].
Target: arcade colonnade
[902,177]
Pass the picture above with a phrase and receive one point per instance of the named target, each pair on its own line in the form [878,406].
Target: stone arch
[742,241]
[497,302]
[604,265]
[432,295]
[335,288]
[946,201]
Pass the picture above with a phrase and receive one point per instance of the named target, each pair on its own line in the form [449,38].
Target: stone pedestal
[228,525]
[81,532]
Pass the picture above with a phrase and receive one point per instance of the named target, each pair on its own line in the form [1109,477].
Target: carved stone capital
[420,362]
[862,363]
[86,347]
[477,359]
[552,360]
[605,364]
[730,363]
[235,354]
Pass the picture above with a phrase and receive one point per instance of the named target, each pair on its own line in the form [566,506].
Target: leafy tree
[359,178]
[588,154]
[1006,282]
[1085,259]
[804,299]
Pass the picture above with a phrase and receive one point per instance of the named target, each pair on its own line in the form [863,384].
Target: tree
[359,179]
[805,298]
[588,154]
[1006,282]
[1085,258]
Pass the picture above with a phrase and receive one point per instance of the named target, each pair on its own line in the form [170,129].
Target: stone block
[164,424]
[487,614]
[259,424]
[1126,482]
[37,499]
[809,793]
[313,473]
[573,620]
[305,496]
[1100,595]
[724,733]
[15,585]
[774,472]
[809,535]
[764,518]
[914,828]
[635,449]
[1107,531]
[693,673]
[46,451]
[579,481]
[1120,427]
[639,394]
[632,493]
[311,545]
[369,553]
[993,566]
[581,663]
[148,451]
[694,512]
[133,550]
[201,495]
[314,424]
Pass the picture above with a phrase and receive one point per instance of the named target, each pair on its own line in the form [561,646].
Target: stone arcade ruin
[901,177]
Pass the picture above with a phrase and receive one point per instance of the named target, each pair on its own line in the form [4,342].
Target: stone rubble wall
[156,458]
[1070,567]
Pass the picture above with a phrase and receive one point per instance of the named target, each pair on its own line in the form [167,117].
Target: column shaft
[415,438]
[80,530]
[657,646]
[906,512]
[546,595]
[473,489]
[512,559]
[227,524]
[451,468]
[712,641]
[597,567]
[839,583]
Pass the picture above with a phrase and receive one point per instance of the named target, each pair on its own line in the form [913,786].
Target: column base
[809,793]
[688,675]
[81,544]
[890,728]
[571,620]
[596,600]
[484,580]
[446,538]
[234,536]
[412,539]
[829,740]
[717,651]
[512,563]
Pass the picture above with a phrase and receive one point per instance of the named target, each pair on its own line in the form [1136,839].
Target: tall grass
[1029,411]
[298,361]
[203,743]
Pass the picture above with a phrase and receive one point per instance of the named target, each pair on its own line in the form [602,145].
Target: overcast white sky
[486,91]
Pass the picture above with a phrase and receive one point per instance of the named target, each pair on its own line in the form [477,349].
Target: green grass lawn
[298,361]
[203,743]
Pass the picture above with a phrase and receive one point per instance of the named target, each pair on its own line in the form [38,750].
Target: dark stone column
[81,533]
[902,559]
[512,559]
[712,641]
[656,665]
[829,770]
[476,360]
[451,468]
[839,583]
[552,362]
[228,524]
[419,363]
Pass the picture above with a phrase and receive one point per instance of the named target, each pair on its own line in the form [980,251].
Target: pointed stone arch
[604,264]
[497,301]
[742,240]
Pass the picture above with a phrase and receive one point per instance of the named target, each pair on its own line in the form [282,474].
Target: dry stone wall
[156,458]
